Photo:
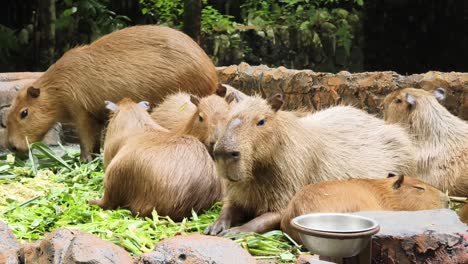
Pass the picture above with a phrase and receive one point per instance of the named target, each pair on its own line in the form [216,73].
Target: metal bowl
[334,234]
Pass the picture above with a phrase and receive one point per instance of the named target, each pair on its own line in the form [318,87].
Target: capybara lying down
[391,194]
[140,62]
[156,169]
[440,138]
[203,118]
[267,155]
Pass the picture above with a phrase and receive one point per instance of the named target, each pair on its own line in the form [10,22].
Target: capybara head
[409,194]
[399,106]
[209,120]
[126,115]
[31,116]
[248,137]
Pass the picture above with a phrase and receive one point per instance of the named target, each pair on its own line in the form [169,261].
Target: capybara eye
[24,113]
[419,188]
[398,101]
[261,122]
[200,118]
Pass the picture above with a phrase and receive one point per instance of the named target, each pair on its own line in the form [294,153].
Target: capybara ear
[398,182]
[439,94]
[276,101]
[232,97]
[145,105]
[111,106]
[411,100]
[221,91]
[34,92]
[391,174]
[195,100]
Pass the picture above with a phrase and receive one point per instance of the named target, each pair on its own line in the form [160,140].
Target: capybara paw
[216,228]
[232,231]
[86,157]
[97,202]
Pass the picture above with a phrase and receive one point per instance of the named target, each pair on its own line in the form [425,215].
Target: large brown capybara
[203,118]
[267,155]
[157,169]
[391,194]
[140,62]
[440,138]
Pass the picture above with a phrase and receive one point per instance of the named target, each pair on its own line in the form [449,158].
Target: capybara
[156,169]
[440,138]
[177,110]
[141,62]
[267,155]
[463,214]
[391,194]
[127,123]
[203,118]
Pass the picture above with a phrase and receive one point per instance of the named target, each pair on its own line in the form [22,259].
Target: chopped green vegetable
[46,192]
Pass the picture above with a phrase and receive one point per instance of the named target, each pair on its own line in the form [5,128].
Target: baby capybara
[141,62]
[391,194]
[156,169]
[267,155]
[203,118]
[440,138]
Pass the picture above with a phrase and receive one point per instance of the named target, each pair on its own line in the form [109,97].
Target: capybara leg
[230,215]
[89,130]
[261,224]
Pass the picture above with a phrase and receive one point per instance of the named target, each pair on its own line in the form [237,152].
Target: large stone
[432,236]
[197,249]
[74,246]
[317,90]
[9,246]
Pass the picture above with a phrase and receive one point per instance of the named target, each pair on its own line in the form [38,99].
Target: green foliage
[55,195]
[166,12]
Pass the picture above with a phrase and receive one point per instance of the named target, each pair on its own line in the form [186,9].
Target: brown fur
[204,118]
[277,158]
[463,213]
[440,138]
[157,169]
[362,195]
[140,62]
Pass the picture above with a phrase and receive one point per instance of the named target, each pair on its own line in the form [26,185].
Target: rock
[74,246]
[13,76]
[310,259]
[197,249]
[9,246]
[432,236]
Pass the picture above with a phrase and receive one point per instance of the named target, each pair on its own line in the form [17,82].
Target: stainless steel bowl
[335,234]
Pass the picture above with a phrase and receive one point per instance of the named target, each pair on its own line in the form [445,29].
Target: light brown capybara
[440,138]
[203,118]
[463,214]
[124,126]
[391,194]
[267,155]
[141,62]
[157,169]
[176,110]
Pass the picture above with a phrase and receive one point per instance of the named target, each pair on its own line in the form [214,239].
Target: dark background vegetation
[323,35]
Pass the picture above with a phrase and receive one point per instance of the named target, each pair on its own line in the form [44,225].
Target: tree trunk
[192,19]
[45,34]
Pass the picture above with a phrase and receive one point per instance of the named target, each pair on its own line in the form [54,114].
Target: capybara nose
[227,155]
